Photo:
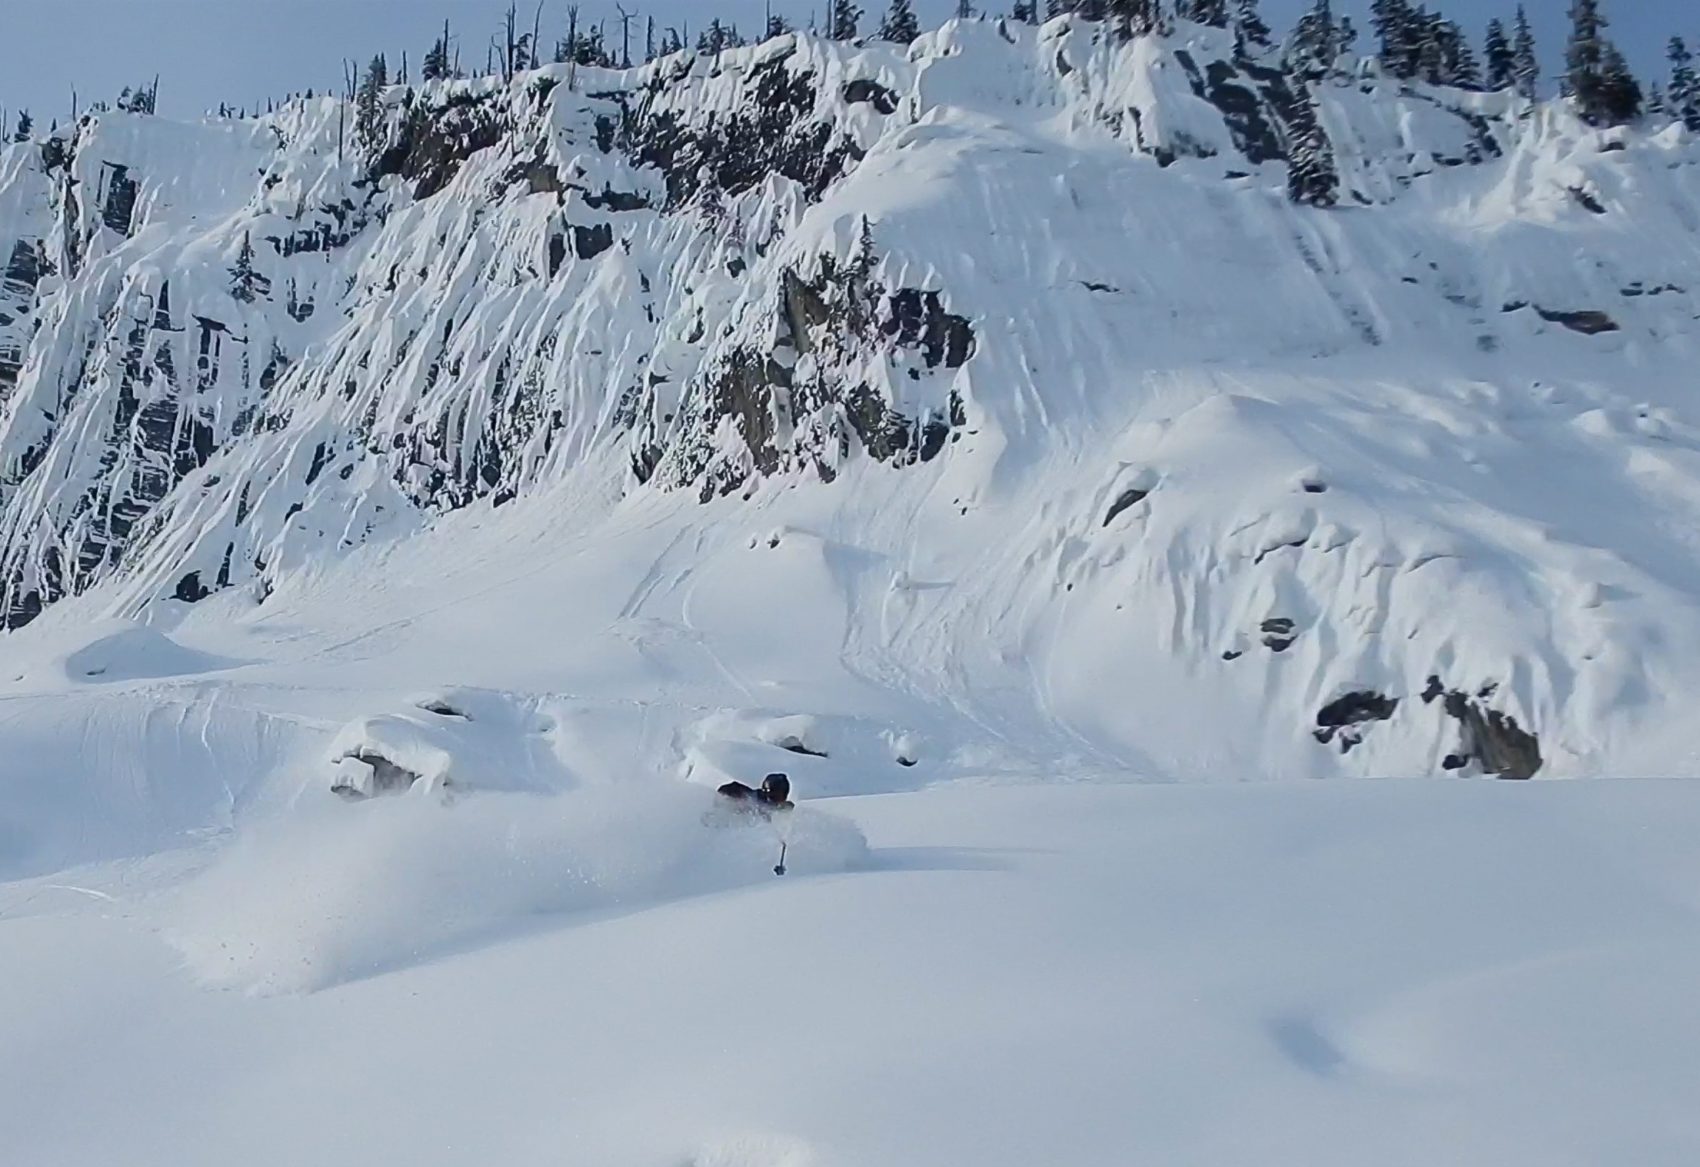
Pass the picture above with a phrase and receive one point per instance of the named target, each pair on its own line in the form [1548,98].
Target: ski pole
[779,868]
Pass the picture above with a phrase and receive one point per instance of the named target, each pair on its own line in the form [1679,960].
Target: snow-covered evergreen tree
[845,18]
[1525,62]
[1501,62]
[1210,12]
[1133,18]
[1250,30]
[1584,59]
[26,127]
[1313,47]
[369,119]
[1620,92]
[777,25]
[1390,20]
[1457,60]
[1025,11]
[716,38]
[1311,178]
[900,26]
[1682,96]
[246,283]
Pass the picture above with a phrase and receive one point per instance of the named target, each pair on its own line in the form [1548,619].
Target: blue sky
[241,51]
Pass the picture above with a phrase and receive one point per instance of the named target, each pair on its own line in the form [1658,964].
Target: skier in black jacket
[775,794]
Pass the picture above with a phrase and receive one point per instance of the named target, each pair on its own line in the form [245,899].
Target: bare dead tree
[510,29]
[625,35]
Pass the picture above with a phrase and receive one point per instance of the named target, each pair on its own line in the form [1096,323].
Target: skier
[775,794]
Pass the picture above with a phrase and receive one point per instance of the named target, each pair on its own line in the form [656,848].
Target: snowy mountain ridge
[1006,356]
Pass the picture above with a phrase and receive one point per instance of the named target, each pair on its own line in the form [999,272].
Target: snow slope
[1330,973]
[1436,444]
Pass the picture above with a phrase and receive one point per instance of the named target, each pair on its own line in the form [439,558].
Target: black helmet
[776,787]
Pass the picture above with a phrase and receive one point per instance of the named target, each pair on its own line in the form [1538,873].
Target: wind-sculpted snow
[1115,441]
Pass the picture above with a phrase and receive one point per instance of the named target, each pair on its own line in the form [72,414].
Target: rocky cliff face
[1010,262]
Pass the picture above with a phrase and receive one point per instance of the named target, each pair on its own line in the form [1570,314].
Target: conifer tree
[1501,62]
[1210,12]
[1311,180]
[1682,97]
[26,127]
[712,39]
[1458,66]
[1132,18]
[1525,64]
[1025,11]
[1584,58]
[1620,93]
[1250,31]
[1397,29]
[1311,51]
[369,107]
[436,64]
[900,26]
[247,284]
[845,18]
[777,25]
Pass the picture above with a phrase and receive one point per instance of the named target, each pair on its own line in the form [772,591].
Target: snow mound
[756,1150]
[126,651]
[824,756]
[334,893]
[460,738]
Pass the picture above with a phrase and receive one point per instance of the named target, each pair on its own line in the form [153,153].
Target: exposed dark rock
[616,200]
[1587,201]
[435,142]
[772,132]
[1494,739]
[590,242]
[1355,709]
[1589,323]
[190,589]
[872,92]
[118,206]
[1343,718]
[796,745]
[387,778]
[543,178]
[1126,499]
[917,319]
[1278,634]
[444,709]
